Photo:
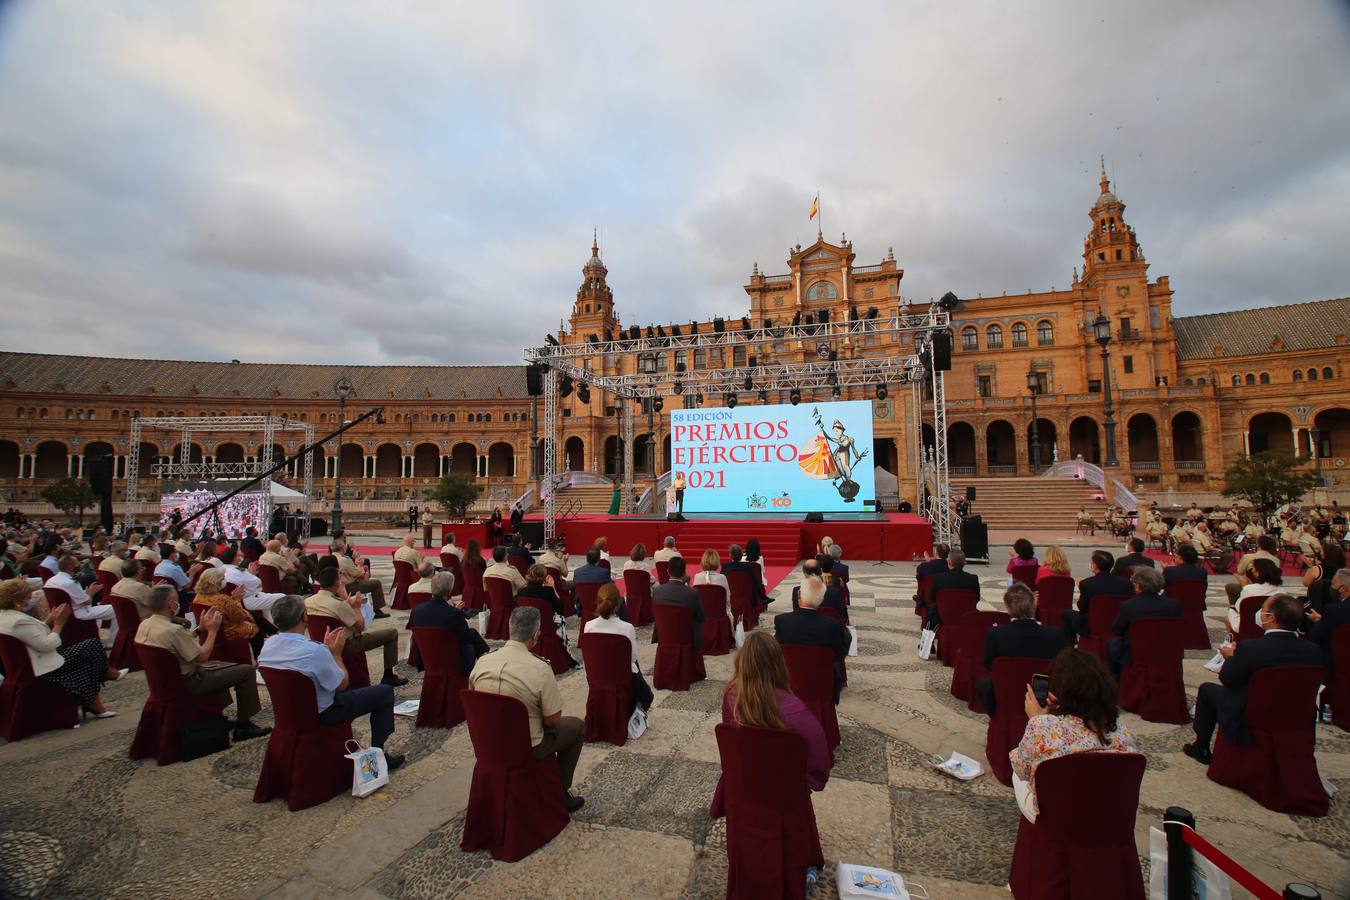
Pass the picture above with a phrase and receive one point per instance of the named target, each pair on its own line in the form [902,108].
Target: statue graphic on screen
[833,456]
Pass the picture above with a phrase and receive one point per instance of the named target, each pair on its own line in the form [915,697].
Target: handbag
[637,723]
[483,621]
[370,771]
[926,640]
[852,640]
[203,737]
[739,632]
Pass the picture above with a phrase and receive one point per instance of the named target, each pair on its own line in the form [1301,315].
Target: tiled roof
[41,373]
[1252,332]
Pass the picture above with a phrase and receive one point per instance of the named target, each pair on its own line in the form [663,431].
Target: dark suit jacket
[755,578]
[1023,637]
[806,626]
[1131,561]
[1274,648]
[833,599]
[930,567]
[436,613]
[1184,572]
[675,593]
[589,574]
[840,571]
[1334,615]
[514,552]
[1101,586]
[1143,606]
[961,580]
[541,592]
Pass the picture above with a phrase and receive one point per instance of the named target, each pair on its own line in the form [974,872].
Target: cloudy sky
[398,181]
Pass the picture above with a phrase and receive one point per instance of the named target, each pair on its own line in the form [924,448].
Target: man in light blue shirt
[168,568]
[292,649]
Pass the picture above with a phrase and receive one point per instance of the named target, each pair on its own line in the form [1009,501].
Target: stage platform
[783,540]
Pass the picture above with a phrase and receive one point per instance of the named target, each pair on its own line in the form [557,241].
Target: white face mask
[1259,617]
[32,602]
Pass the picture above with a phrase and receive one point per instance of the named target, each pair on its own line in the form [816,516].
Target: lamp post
[1101,327]
[343,389]
[1316,434]
[1034,385]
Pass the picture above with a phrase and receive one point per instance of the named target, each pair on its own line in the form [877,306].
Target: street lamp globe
[1101,328]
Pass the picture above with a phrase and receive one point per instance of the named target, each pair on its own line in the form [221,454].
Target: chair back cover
[550,646]
[1100,616]
[811,679]
[638,588]
[678,661]
[1025,574]
[662,571]
[500,604]
[1191,595]
[1011,676]
[29,705]
[358,671]
[123,655]
[270,578]
[440,705]
[1054,594]
[586,593]
[1152,685]
[717,638]
[609,680]
[306,760]
[743,604]
[968,635]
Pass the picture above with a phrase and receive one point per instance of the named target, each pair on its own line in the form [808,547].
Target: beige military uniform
[508,572]
[158,631]
[409,556]
[550,558]
[513,671]
[326,603]
[148,553]
[276,561]
[136,591]
[112,565]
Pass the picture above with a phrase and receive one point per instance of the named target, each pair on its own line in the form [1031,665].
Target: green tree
[1268,480]
[70,495]
[454,492]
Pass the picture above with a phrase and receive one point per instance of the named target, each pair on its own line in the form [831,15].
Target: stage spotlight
[754,360]
[852,313]
[834,356]
[660,332]
[871,313]
[675,330]
[379,417]
[797,319]
[650,333]
[719,324]
[810,319]
[698,401]
[795,397]
[550,340]
[881,391]
[679,387]
[658,404]
[679,367]
[584,393]
[763,396]
[745,323]
[565,388]
[592,339]
[749,384]
[835,393]
[609,335]
[768,324]
[693,328]
[824,317]
[732,400]
[949,302]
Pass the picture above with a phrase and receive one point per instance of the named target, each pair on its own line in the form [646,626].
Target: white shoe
[121,673]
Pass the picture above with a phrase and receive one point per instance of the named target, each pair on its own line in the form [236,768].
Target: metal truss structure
[574,361]
[183,469]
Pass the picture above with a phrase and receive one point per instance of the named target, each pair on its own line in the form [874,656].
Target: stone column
[981,452]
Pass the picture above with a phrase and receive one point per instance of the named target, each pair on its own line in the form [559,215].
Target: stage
[783,540]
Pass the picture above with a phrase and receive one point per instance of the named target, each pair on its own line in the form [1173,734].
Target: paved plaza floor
[80,819]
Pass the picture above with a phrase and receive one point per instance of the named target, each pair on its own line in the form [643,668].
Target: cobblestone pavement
[78,818]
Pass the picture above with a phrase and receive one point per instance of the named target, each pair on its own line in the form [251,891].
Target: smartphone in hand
[1040,686]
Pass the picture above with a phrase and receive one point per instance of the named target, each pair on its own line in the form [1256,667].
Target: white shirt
[235,575]
[63,581]
[716,578]
[50,564]
[665,553]
[451,548]
[641,566]
[615,625]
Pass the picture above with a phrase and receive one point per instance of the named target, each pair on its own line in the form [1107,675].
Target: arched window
[1200,381]
[1327,374]
[1251,379]
[1265,378]
[970,338]
[452,417]
[1019,334]
[993,337]
[1237,381]
[1312,374]
[1045,333]
[822,290]
[1298,375]
[1188,382]
[487,418]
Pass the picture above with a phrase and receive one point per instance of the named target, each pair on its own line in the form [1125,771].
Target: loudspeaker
[98,471]
[534,379]
[906,506]
[942,351]
[975,538]
[815,517]
[970,493]
[533,533]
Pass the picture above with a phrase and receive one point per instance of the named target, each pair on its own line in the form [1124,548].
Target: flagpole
[820,218]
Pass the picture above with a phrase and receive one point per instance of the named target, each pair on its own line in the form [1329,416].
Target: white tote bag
[482,622]
[1207,880]
[739,632]
[370,771]
[926,642]
[637,724]
[852,640]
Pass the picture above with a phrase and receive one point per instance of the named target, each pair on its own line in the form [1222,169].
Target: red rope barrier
[1249,881]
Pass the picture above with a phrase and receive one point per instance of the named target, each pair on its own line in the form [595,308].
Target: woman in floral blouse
[236,622]
[1081,718]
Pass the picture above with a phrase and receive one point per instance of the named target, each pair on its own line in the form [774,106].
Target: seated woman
[537,587]
[236,623]
[1266,580]
[473,559]
[1081,716]
[638,560]
[754,555]
[1055,563]
[602,544]
[79,669]
[708,573]
[607,621]
[757,694]
[1022,553]
[824,546]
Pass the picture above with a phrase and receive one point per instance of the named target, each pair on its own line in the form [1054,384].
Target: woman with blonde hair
[824,546]
[1054,563]
[235,621]
[79,669]
[708,574]
[637,559]
[757,694]
[607,621]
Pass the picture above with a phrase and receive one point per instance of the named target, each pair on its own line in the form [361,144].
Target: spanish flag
[815,208]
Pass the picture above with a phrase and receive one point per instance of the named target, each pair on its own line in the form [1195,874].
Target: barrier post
[1179,862]
[1296,891]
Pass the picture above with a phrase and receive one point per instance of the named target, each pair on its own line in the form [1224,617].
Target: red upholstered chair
[678,662]
[1247,628]
[169,707]
[638,587]
[358,671]
[403,577]
[270,577]
[586,594]
[743,605]
[440,705]
[1277,769]
[235,650]
[1054,594]
[75,630]
[1025,574]
[563,593]
[952,603]
[474,596]
[29,705]
[968,636]
[925,595]
[306,760]
[609,687]
[415,655]
[516,802]
[1082,843]
[1101,614]
[550,646]
[147,570]
[519,564]
[771,825]
[450,563]
[1152,684]
[811,678]
[662,571]
[717,639]
[123,655]
[500,603]
[157,580]
[1011,674]
[107,579]
[1338,691]
[604,564]
[250,554]
[416,599]
[1191,595]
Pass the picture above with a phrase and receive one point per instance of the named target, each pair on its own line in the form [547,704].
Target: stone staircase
[1030,503]
[780,542]
[592,498]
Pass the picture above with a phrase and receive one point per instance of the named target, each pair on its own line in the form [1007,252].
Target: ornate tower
[593,312]
[1111,246]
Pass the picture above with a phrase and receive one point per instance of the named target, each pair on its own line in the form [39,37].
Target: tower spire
[595,242]
[1105,182]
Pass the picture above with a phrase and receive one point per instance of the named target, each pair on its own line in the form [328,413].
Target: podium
[672,511]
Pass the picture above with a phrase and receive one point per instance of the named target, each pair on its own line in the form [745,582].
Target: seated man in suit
[833,599]
[933,565]
[518,552]
[1188,567]
[1333,615]
[955,578]
[439,612]
[1101,583]
[1148,602]
[806,626]
[1135,559]
[594,573]
[1225,703]
[502,569]
[674,592]
[1023,636]
[737,563]
[839,570]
